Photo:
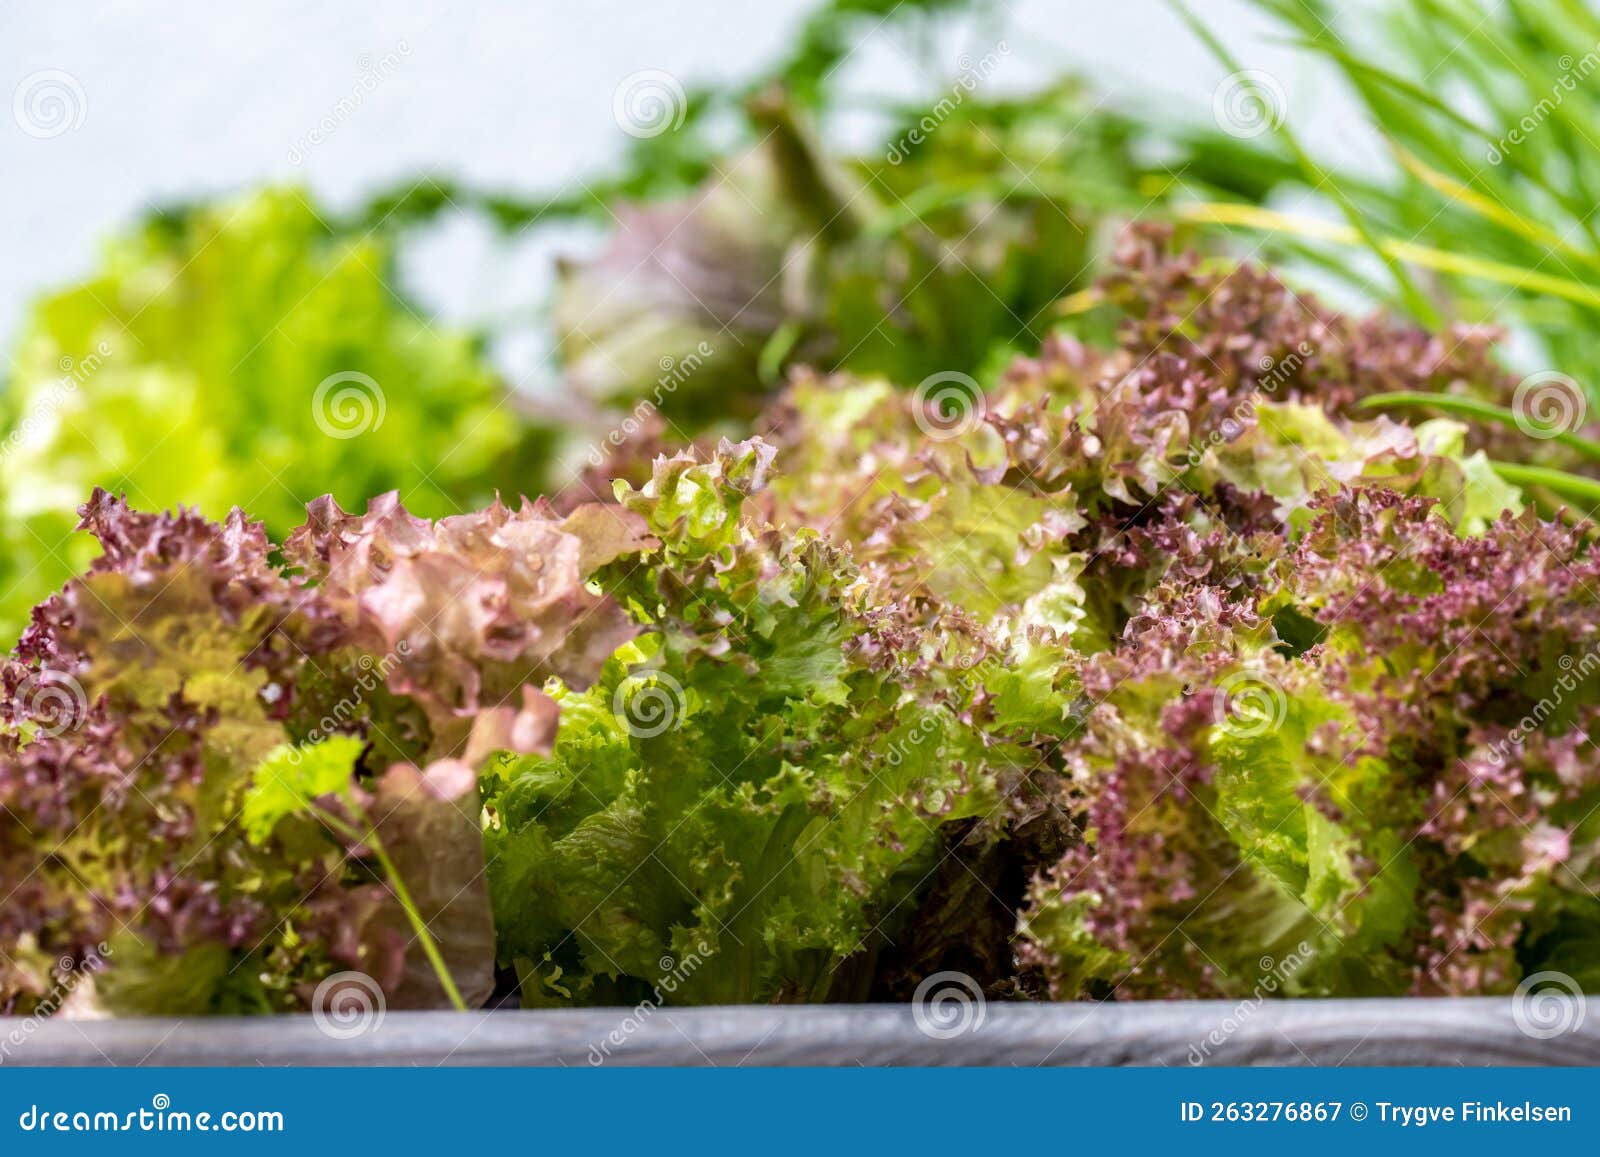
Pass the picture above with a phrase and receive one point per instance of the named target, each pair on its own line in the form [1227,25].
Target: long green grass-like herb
[1492,112]
[1478,410]
[1584,492]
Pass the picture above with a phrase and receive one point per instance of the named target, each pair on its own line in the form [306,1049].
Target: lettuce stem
[402,894]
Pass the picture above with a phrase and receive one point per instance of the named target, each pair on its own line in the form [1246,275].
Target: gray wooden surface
[1368,1032]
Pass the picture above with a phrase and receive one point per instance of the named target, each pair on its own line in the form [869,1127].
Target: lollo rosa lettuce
[1140,673]
[239,776]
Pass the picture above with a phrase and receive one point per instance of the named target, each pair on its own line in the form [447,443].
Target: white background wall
[186,98]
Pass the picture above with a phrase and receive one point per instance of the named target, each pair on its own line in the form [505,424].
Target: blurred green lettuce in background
[244,353]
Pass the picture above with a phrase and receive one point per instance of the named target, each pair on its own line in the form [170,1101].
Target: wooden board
[1333,1032]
